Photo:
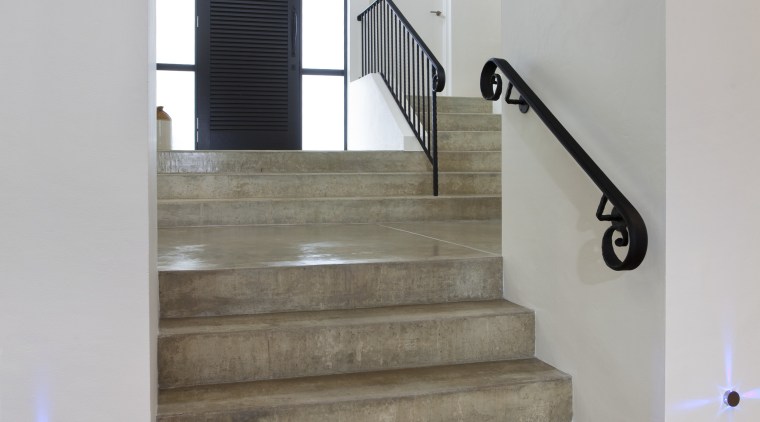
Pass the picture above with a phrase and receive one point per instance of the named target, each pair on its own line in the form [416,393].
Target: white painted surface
[375,122]
[713,288]
[77,266]
[600,67]
[474,37]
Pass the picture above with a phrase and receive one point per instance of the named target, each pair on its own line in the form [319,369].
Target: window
[322,96]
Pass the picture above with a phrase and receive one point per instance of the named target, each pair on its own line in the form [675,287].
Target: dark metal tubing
[178,67]
[392,48]
[624,218]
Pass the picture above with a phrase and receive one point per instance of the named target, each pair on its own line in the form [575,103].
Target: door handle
[436,12]
[293,32]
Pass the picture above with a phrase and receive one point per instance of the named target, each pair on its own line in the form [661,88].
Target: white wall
[375,122]
[474,36]
[600,67]
[713,289]
[77,274]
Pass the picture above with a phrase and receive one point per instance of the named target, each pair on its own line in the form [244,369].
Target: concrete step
[469,161]
[253,162]
[468,183]
[320,185]
[177,213]
[248,291]
[468,121]
[464,105]
[469,141]
[519,390]
[215,350]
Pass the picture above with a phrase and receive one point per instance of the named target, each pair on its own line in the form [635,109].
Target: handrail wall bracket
[627,228]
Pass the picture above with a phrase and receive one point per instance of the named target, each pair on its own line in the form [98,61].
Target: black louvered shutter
[248,74]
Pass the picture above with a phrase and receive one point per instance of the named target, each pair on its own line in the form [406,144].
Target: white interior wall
[600,67]
[375,122]
[713,342]
[77,273]
[474,37]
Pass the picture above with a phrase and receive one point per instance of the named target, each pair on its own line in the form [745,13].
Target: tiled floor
[268,246]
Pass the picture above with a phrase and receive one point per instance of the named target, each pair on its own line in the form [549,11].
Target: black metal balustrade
[623,218]
[392,48]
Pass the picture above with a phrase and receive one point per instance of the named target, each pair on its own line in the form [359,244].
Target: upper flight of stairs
[406,338]
[304,187]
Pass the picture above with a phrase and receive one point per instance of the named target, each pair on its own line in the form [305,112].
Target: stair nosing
[327,198]
[490,256]
[304,320]
[538,371]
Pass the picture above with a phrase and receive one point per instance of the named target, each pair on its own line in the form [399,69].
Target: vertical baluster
[428,89]
[405,76]
[417,85]
[427,102]
[434,143]
[420,81]
[371,31]
[364,43]
[396,83]
[385,40]
[392,65]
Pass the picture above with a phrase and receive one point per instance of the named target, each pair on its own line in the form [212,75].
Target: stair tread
[368,386]
[344,198]
[312,174]
[351,317]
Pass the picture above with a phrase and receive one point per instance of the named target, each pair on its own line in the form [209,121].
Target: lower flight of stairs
[402,341]
[399,340]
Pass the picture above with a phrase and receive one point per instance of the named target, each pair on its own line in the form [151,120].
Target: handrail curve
[393,49]
[624,219]
[440,73]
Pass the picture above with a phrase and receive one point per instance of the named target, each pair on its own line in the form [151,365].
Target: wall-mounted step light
[731,398]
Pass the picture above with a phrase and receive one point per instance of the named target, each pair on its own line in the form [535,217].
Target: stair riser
[253,162]
[220,186]
[467,122]
[469,141]
[463,105]
[308,211]
[549,401]
[313,288]
[468,161]
[210,358]
[469,184]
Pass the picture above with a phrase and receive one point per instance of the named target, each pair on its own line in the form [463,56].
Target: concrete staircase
[399,337]
[297,187]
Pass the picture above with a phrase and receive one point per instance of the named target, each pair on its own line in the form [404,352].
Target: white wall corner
[375,122]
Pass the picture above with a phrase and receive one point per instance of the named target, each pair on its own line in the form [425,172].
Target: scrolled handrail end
[489,78]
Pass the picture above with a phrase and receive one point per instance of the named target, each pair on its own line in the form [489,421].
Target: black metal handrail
[623,217]
[392,48]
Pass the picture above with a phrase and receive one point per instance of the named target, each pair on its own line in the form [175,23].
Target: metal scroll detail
[627,228]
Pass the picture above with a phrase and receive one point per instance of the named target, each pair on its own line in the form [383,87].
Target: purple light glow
[752,394]
[729,363]
[695,404]
[42,399]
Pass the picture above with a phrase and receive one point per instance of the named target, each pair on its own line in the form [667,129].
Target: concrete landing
[212,248]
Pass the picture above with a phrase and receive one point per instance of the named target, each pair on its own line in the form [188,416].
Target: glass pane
[323,112]
[176,92]
[323,23]
[175,31]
